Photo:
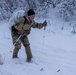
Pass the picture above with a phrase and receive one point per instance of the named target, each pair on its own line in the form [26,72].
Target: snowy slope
[54,51]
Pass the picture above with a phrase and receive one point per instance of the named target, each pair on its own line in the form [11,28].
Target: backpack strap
[14,30]
[25,19]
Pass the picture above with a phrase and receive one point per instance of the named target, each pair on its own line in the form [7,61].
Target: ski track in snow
[51,60]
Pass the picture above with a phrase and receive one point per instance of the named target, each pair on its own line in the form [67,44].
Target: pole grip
[44,26]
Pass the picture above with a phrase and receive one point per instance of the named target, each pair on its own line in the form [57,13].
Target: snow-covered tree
[66,8]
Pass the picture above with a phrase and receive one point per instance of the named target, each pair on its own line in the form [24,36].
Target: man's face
[31,17]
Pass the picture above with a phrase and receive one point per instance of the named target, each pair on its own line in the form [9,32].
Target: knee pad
[18,46]
[26,45]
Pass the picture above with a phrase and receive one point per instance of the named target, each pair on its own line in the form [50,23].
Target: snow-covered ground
[54,51]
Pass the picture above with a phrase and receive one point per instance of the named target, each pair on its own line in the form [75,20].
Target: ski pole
[44,29]
[44,26]
[19,37]
[43,36]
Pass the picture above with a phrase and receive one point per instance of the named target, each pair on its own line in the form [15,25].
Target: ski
[41,68]
[18,61]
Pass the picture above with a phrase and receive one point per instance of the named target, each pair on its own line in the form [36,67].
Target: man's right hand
[19,32]
[26,27]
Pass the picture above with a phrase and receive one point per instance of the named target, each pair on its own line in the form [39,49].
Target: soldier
[23,25]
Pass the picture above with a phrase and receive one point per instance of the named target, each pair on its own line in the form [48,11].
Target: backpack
[15,16]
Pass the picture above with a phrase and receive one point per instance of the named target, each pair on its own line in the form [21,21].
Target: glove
[26,27]
[22,32]
[40,25]
[44,23]
[19,32]
[25,32]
